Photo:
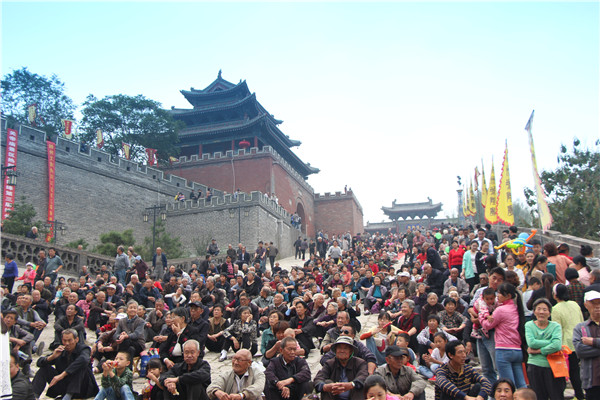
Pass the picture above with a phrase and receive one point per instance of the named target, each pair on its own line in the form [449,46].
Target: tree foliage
[170,245]
[22,88]
[135,120]
[573,191]
[21,219]
[111,240]
[74,244]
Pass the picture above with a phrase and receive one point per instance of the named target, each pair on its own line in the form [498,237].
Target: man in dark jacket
[435,280]
[159,264]
[433,257]
[21,387]
[342,374]
[67,370]
[130,332]
[188,379]
[287,376]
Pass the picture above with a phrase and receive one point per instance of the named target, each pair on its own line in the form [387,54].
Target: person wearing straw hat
[342,377]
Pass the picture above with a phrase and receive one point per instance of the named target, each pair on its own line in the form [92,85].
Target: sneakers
[223,356]
[40,348]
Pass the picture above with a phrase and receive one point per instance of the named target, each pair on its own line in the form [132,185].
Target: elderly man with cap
[113,299]
[405,282]
[361,350]
[401,380]
[342,377]
[586,339]
[198,322]
[244,382]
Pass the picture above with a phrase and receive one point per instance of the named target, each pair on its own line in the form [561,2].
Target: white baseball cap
[592,295]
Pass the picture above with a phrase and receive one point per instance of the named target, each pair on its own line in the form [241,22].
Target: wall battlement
[337,196]
[72,152]
[243,153]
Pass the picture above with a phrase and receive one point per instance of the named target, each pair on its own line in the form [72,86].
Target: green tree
[135,120]
[111,240]
[22,88]
[21,219]
[170,245]
[573,191]
[78,242]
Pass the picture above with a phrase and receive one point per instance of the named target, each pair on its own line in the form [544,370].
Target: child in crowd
[403,340]
[153,370]
[376,389]
[534,284]
[437,358]
[350,295]
[117,378]
[524,394]
[483,308]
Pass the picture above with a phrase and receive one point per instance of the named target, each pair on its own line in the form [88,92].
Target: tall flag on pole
[173,159]
[126,150]
[543,209]
[32,113]
[484,191]
[464,203]
[151,156]
[99,139]
[491,210]
[505,209]
[68,126]
[472,206]
[477,178]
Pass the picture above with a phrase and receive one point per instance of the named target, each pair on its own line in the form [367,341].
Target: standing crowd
[446,301]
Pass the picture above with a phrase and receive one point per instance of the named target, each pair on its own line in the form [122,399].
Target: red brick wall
[291,193]
[338,214]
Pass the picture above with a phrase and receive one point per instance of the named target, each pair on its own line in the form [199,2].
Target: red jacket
[456,256]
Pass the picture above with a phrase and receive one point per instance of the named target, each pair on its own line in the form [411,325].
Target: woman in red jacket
[456,256]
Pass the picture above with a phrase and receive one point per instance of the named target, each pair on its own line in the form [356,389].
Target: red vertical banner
[51,181]
[10,159]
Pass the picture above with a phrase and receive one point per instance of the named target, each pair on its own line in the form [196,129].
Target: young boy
[525,394]
[534,284]
[117,378]
[403,340]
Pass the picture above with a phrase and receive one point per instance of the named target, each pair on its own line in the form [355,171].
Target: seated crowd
[445,301]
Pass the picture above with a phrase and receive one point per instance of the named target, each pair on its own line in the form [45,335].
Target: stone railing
[26,250]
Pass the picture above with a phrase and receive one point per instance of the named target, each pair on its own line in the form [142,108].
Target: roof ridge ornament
[219,75]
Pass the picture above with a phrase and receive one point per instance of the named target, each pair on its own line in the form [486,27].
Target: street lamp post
[10,172]
[163,216]
[57,226]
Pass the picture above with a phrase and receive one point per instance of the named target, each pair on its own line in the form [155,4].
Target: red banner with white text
[10,159]
[51,181]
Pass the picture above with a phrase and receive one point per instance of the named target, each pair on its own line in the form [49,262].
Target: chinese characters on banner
[8,197]
[68,125]
[51,173]
[151,156]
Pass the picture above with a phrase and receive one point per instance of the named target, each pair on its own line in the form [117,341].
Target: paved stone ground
[224,367]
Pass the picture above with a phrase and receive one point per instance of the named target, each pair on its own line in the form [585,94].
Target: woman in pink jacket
[28,276]
[509,322]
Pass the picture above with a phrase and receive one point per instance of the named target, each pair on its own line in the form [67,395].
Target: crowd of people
[446,302]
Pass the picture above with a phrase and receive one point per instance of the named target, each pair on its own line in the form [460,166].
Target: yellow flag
[472,205]
[32,113]
[543,209]
[483,193]
[491,210]
[464,204]
[126,150]
[505,209]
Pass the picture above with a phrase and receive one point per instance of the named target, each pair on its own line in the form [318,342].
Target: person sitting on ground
[130,332]
[244,382]
[188,379]
[66,371]
[21,387]
[216,325]
[457,380]
[19,340]
[437,357]
[171,350]
[380,336]
[400,379]
[117,378]
[426,336]
[287,376]
[69,320]
[241,334]
[361,352]
[342,376]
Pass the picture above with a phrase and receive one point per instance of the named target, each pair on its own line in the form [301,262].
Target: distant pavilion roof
[412,210]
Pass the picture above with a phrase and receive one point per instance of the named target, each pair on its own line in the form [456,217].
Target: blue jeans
[486,348]
[379,356]
[121,275]
[509,366]
[109,394]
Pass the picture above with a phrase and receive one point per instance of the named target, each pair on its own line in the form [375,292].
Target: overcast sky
[392,99]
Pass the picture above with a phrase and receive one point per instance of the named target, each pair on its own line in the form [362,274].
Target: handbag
[558,362]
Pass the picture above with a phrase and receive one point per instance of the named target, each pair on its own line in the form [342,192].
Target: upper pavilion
[412,210]
[226,116]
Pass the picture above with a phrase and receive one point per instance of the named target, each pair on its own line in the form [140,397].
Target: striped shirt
[457,385]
